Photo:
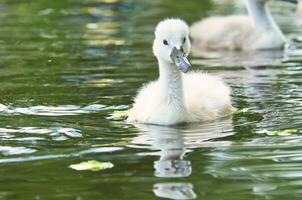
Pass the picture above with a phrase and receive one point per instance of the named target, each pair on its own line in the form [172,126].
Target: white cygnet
[176,96]
[258,31]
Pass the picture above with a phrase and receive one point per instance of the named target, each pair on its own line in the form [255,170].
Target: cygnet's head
[172,44]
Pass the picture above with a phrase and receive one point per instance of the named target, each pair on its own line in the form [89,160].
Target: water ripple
[8,150]
[56,156]
[62,110]
[50,131]
[28,134]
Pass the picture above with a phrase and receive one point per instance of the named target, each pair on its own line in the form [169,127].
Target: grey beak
[290,1]
[180,60]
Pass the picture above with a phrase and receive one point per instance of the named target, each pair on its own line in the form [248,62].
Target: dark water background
[65,66]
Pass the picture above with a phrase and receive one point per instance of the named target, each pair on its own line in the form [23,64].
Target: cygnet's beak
[290,1]
[180,60]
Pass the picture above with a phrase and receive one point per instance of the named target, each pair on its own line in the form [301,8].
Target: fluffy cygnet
[258,31]
[176,96]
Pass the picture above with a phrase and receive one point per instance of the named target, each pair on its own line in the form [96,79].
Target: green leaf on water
[243,110]
[92,165]
[280,132]
[118,115]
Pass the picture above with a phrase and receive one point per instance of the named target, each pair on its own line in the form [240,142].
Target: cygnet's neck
[262,17]
[170,79]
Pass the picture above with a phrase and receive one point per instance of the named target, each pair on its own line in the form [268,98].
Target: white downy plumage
[257,31]
[177,97]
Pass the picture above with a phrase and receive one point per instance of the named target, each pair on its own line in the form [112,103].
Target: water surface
[66,66]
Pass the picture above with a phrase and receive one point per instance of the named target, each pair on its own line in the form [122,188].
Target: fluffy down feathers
[206,98]
[233,33]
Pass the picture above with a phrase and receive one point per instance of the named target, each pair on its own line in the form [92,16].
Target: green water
[65,66]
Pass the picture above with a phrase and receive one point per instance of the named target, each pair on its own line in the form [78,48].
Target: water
[66,66]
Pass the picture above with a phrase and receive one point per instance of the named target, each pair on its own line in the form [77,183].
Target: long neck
[261,16]
[170,79]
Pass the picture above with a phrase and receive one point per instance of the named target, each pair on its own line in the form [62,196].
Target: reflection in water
[265,166]
[237,58]
[102,33]
[171,164]
[174,190]
[172,150]
[172,168]
[172,143]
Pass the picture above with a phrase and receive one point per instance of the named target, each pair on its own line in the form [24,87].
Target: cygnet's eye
[165,42]
[184,40]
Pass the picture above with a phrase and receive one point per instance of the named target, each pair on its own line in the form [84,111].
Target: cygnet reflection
[170,142]
[181,191]
[237,58]
[173,143]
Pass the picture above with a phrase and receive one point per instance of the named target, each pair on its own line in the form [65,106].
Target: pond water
[66,66]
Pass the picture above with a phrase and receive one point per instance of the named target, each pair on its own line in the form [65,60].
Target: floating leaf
[118,115]
[243,110]
[92,165]
[280,132]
